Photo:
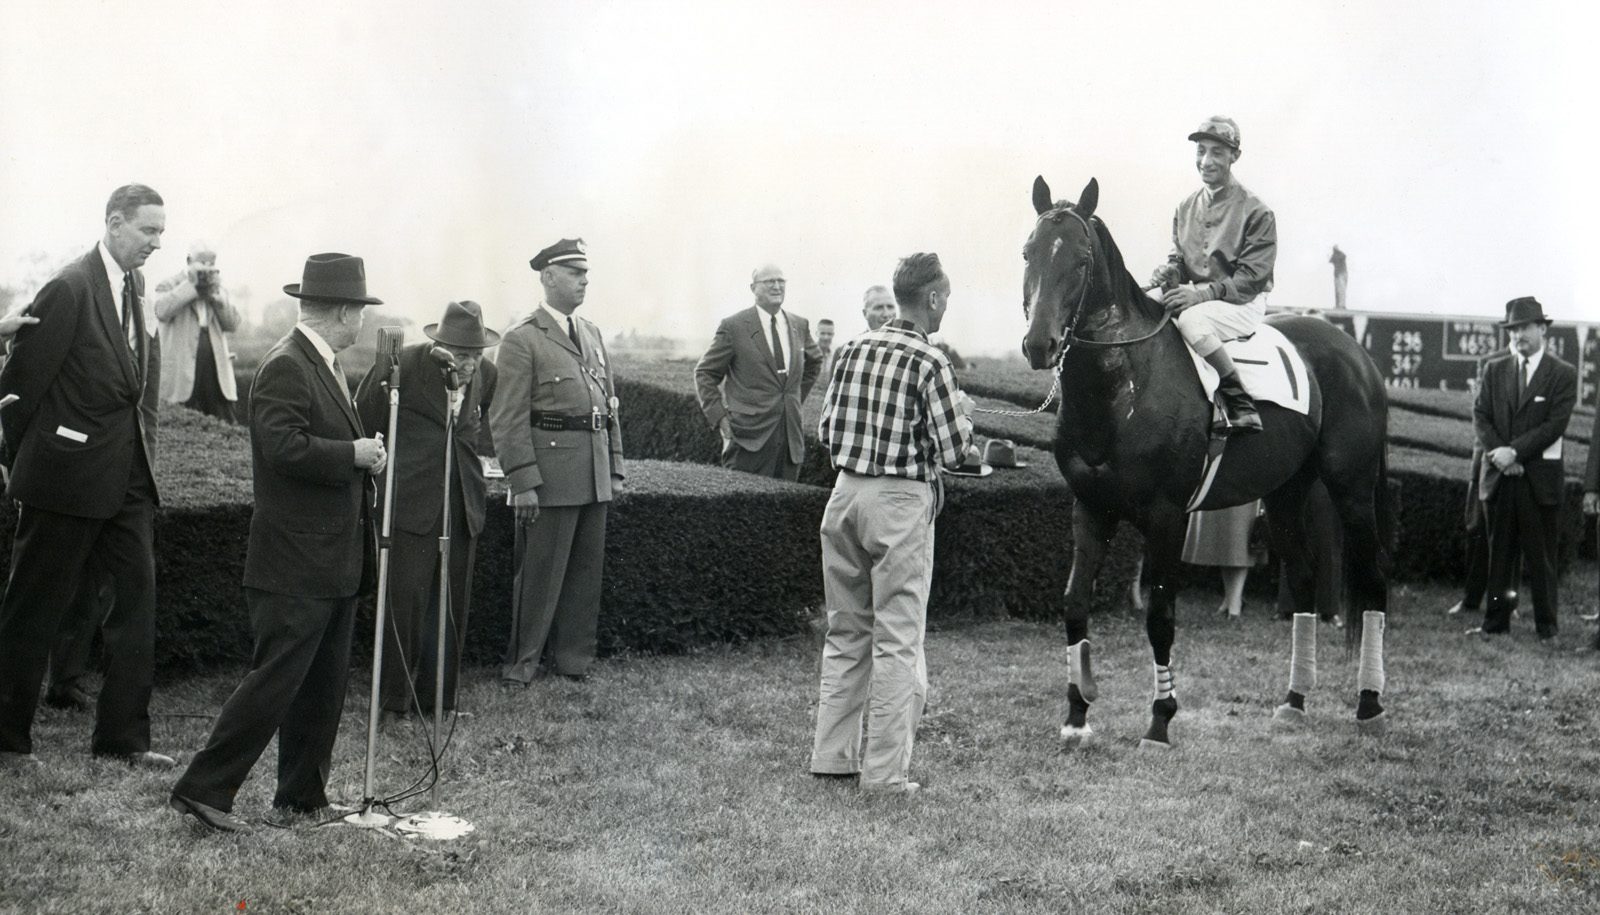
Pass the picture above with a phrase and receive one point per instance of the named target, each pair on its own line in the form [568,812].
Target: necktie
[572,331]
[777,348]
[1522,376]
[130,301]
[338,372]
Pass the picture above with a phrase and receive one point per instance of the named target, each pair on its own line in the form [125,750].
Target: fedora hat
[1525,310]
[971,467]
[339,279]
[1002,452]
[462,325]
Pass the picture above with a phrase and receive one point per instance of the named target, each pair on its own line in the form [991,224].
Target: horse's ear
[1041,196]
[1089,199]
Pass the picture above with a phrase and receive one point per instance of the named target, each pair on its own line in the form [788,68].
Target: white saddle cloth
[1270,368]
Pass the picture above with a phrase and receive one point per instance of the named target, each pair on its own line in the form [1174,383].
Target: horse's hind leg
[1296,540]
[1163,545]
[1369,593]
[1091,532]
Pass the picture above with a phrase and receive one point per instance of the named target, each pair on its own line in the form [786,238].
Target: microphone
[447,364]
[390,340]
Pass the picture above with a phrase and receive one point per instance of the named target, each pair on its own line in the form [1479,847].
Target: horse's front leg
[1091,532]
[1163,547]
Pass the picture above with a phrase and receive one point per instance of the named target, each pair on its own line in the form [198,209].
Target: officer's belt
[561,422]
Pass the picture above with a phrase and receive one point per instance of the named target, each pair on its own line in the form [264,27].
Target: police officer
[554,421]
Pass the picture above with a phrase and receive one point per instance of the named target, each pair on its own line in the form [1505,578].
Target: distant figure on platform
[196,316]
[313,467]
[751,381]
[1224,246]
[1341,277]
[80,445]
[559,440]
[411,640]
[1520,416]
[895,417]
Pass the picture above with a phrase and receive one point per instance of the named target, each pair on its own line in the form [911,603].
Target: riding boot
[1236,403]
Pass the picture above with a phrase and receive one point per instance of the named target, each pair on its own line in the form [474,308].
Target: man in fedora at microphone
[1523,404]
[442,379]
[312,463]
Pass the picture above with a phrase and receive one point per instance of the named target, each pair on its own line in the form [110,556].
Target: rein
[1072,339]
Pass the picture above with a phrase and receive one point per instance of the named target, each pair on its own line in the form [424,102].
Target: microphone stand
[435,824]
[368,817]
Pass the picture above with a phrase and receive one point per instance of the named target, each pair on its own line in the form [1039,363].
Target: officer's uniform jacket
[542,370]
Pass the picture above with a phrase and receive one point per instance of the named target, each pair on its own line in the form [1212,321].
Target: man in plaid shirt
[893,416]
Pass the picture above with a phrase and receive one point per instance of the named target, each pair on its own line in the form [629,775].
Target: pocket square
[1538,398]
[72,434]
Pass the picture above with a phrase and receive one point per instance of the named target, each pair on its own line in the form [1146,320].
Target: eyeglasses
[772,283]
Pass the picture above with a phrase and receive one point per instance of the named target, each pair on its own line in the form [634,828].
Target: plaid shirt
[891,406]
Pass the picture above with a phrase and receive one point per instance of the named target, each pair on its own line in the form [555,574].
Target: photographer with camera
[194,314]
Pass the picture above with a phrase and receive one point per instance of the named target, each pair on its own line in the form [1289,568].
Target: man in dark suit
[751,381]
[1520,414]
[559,441]
[429,397]
[311,463]
[80,442]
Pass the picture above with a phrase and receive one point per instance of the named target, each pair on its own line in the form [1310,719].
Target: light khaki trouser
[877,564]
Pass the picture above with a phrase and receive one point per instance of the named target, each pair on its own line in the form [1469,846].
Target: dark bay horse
[1131,439]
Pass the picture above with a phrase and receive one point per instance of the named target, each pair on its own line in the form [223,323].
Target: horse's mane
[1124,288]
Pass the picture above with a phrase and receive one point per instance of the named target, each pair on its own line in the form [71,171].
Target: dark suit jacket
[74,434]
[1529,424]
[306,537]
[1591,470]
[736,378]
[418,444]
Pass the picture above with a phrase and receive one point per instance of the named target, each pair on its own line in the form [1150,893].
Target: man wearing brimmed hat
[195,315]
[1523,404]
[410,654]
[557,435]
[1224,245]
[80,445]
[312,464]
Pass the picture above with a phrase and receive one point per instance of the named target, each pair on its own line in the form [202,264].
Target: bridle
[1071,337]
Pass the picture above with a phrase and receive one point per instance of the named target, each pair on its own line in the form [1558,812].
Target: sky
[1444,146]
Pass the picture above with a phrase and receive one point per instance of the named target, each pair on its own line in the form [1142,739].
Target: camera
[205,280]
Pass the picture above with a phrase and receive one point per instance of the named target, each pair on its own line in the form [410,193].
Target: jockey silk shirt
[891,406]
[1227,239]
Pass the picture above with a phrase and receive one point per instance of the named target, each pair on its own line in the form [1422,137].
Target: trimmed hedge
[685,536]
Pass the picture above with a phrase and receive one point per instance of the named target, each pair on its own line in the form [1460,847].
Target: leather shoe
[209,816]
[72,699]
[148,759]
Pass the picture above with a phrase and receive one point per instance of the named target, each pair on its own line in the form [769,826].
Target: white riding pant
[1206,326]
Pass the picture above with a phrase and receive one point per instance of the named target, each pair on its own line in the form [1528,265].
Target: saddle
[1271,370]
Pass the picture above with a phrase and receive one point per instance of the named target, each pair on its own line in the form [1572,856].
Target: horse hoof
[1287,716]
[1374,726]
[1073,738]
[1146,743]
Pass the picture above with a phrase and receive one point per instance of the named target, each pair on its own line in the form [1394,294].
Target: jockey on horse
[1224,244]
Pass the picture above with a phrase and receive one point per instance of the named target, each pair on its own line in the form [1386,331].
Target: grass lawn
[679,784]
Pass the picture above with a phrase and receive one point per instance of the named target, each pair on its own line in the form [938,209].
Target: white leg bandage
[1163,682]
[1369,675]
[1303,654]
[1079,672]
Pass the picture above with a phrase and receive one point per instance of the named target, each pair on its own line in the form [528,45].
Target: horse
[1132,434]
